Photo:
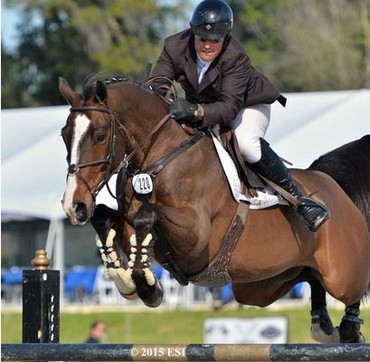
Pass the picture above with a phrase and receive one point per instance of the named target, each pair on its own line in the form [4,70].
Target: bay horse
[175,205]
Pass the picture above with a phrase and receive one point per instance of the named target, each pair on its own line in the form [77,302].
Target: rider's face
[207,49]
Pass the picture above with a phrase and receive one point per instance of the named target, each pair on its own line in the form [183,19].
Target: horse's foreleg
[349,328]
[148,287]
[104,223]
[322,329]
[179,225]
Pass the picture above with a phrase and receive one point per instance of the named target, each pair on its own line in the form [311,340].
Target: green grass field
[161,326]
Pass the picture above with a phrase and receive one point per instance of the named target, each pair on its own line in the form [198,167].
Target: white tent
[34,166]
[313,124]
[33,155]
[34,170]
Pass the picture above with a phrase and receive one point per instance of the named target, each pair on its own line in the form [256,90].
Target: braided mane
[89,83]
[164,89]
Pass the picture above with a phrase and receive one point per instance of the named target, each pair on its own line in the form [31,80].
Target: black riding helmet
[212,19]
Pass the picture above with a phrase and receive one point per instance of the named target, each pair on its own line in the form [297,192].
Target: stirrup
[319,213]
[306,201]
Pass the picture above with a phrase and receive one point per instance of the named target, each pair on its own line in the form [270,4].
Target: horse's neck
[145,136]
[140,112]
[153,146]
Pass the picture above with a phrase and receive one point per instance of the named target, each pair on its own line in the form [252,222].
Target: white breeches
[250,124]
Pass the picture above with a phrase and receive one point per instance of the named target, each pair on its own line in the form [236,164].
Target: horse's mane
[349,166]
[159,86]
[89,83]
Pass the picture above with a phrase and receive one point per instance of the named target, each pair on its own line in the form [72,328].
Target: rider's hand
[183,110]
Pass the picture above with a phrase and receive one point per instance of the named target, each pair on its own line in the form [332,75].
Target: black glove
[183,110]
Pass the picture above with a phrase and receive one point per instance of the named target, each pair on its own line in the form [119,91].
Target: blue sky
[9,19]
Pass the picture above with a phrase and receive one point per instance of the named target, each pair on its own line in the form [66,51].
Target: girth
[216,273]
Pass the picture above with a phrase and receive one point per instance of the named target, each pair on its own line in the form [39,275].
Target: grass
[161,326]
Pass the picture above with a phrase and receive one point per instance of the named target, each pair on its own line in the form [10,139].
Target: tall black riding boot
[313,213]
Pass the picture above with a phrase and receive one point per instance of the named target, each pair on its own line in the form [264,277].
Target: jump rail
[184,352]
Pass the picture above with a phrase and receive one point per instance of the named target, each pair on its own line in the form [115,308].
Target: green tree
[323,46]
[300,45]
[307,45]
[12,92]
[72,39]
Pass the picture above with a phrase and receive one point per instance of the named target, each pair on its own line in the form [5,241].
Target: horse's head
[89,136]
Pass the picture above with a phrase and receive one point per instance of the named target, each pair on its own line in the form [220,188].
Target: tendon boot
[270,166]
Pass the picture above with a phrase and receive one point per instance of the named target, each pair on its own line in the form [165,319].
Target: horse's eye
[100,138]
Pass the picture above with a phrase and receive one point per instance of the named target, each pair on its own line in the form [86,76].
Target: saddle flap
[250,180]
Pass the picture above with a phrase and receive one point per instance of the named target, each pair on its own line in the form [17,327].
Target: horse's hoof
[155,300]
[148,288]
[359,338]
[320,336]
[131,296]
[349,329]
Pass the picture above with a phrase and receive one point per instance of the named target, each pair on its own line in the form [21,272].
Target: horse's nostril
[81,211]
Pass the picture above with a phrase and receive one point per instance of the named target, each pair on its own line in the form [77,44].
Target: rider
[222,87]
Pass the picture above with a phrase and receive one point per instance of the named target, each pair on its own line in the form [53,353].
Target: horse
[175,206]
[349,166]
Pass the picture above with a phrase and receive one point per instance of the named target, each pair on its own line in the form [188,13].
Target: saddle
[251,181]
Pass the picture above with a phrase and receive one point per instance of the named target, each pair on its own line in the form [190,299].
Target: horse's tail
[349,166]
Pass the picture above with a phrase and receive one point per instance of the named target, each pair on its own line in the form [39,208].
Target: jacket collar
[191,63]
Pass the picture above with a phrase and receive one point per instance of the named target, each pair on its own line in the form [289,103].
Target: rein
[74,168]
[128,158]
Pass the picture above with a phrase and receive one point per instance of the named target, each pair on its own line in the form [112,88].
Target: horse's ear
[72,97]
[101,91]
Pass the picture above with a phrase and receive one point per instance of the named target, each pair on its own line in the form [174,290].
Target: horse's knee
[145,218]
[103,220]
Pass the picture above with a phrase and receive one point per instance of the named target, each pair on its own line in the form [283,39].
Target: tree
[365,22]
[300,45]
[72,39]
[323,50]
[308,45]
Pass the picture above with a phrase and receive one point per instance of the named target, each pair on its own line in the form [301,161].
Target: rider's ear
[101,91]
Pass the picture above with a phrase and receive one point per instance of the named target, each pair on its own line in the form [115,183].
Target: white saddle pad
[265,198]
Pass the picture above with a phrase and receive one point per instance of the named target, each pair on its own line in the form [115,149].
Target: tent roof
[34,164]
[315,123]
[33,155]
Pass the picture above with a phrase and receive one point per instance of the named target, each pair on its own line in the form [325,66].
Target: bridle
[108,160]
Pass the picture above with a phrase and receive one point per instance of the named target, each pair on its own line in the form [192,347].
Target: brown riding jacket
[229,84]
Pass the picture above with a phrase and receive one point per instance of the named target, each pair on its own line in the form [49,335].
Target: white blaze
[81,126]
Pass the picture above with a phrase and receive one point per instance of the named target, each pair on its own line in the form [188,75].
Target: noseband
[74,168]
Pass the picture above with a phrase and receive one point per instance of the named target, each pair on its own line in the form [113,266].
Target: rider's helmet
[212,19]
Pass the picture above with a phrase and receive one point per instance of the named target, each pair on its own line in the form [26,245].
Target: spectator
[98,332]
